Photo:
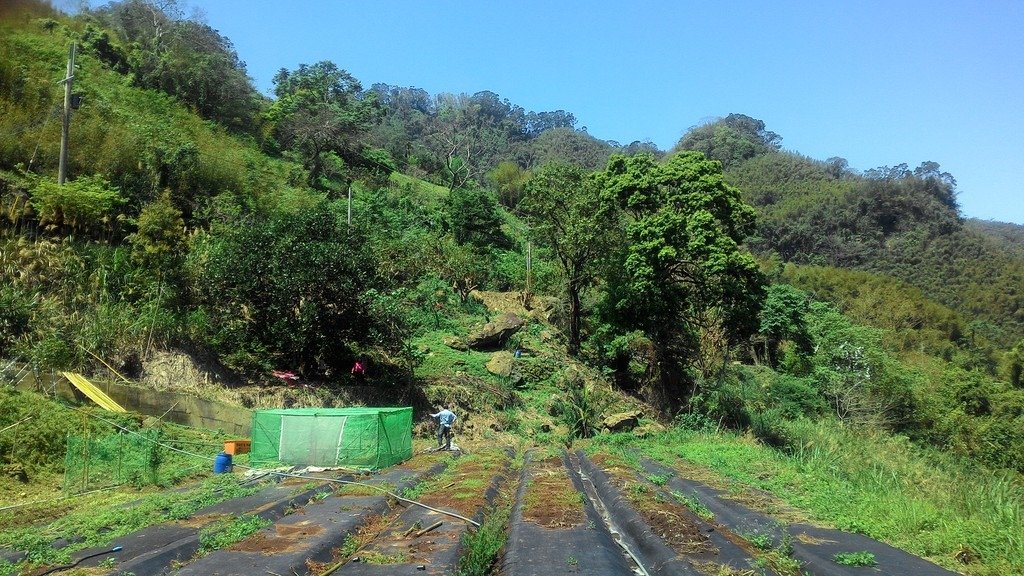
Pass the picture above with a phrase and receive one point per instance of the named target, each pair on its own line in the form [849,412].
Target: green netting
[98,462]
[366,438]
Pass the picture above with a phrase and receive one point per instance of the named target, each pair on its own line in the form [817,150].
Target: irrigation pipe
[113,550]
[289,474]
[168,410]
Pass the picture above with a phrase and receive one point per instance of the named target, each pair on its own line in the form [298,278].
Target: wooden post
[62,170]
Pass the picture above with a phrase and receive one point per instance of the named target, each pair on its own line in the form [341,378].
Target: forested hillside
[726,281]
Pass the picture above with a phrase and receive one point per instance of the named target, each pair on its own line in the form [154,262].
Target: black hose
[77,562]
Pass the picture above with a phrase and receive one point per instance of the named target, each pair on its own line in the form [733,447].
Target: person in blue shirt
[445,419]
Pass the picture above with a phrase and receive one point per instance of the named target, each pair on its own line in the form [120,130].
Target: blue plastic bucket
[222,463]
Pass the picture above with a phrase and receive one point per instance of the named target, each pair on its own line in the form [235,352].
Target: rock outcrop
[495,333]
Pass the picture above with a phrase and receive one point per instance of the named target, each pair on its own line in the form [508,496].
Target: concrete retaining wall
[180,408]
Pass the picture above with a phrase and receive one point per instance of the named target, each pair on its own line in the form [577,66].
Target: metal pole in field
[529,269]
[349,205]
[62,170]
[120,452]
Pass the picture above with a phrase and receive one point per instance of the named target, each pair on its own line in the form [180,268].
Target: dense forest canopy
[727,280]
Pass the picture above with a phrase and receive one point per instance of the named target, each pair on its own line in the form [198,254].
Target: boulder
[546,308]
[15,471]
[496,332]
[647,430]
[455,343]
[622,421]
[500,364]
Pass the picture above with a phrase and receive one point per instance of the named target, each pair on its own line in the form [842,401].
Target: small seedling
[862,558]
[695,505]
[638,489]
[658,479]
[760,541]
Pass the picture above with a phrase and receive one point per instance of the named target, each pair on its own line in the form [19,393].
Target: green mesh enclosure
[365,438]
[137,459]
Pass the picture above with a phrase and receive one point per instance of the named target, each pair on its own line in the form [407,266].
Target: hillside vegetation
[724,284]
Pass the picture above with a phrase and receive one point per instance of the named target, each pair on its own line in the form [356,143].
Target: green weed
[759,541]
[658,479]
[638,490]
[225,533]
[481,547]
[862,558]
[694,505]
[349,547]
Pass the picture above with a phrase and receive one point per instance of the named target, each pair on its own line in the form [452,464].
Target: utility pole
[62,170]
[528,294]
[349,205]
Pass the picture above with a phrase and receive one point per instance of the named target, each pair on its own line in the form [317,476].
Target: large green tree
[684,275]
[321,115]
[566,212]
[297,288]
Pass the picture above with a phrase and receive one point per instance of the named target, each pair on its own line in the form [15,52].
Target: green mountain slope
[896,222]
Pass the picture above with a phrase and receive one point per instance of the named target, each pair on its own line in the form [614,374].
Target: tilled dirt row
[666,536]
[574,517]
[174,546]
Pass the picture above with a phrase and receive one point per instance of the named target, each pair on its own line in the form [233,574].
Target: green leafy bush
[15,317]
[85,203]
[794,397]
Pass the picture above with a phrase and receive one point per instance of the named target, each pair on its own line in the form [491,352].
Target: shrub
[86,203]
[580,407]
[769,427]
[726,401]
[694,421]
[795,397]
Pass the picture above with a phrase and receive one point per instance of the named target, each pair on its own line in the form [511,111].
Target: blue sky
[876,82]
